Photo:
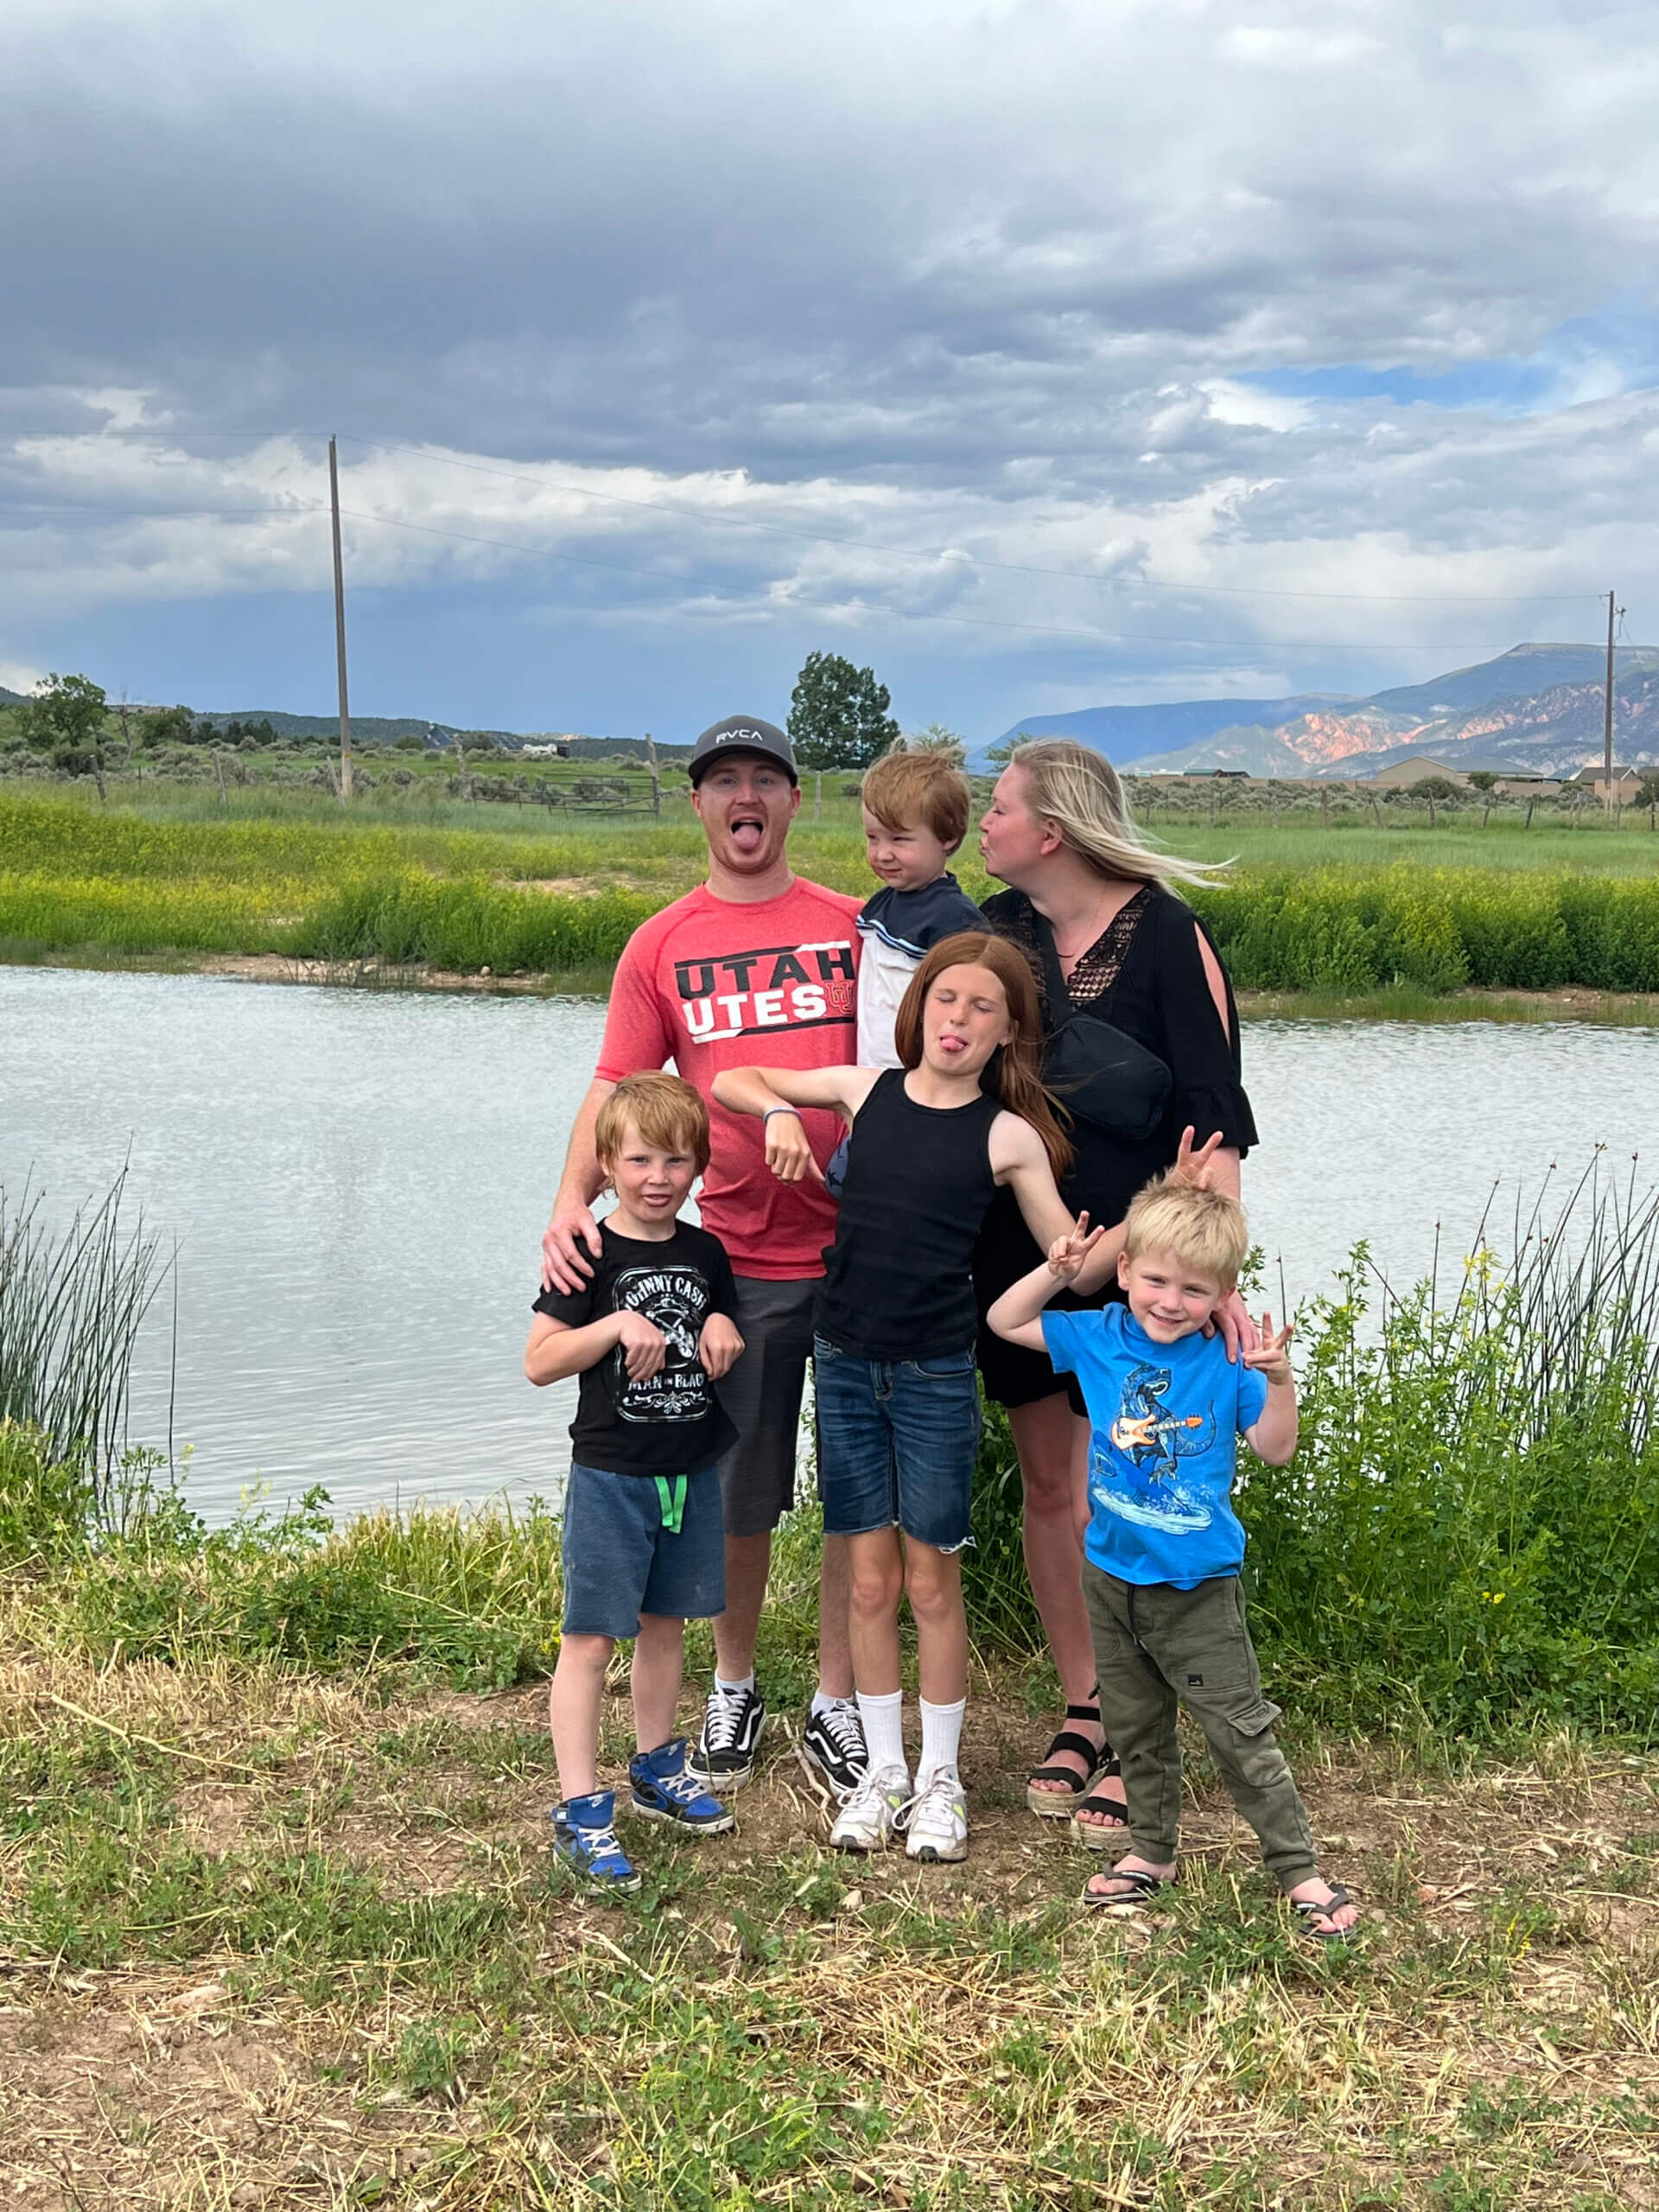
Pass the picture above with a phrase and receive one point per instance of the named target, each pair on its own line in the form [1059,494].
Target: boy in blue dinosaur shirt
[1164,1547]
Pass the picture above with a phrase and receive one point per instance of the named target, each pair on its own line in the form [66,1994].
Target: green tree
[169,725]
[1484,780]
[937,737]
[65,719]
[838,716]
[1001,753]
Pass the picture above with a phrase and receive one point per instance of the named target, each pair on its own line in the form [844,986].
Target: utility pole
[340,631]
[1607,714]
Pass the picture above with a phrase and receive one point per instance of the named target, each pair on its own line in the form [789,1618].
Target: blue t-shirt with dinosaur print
[1165,1421]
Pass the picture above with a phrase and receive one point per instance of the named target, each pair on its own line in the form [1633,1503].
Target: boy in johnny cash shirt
[1164,1547]
[644,1545]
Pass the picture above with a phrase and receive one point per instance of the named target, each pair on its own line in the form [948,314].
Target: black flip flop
[1307,1912]
[1146,1888]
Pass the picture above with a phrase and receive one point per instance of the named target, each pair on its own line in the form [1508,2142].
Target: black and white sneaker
[832,1748]
[732,1722]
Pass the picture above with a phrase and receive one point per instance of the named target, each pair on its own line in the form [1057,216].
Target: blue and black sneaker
[584,1839]
[664,1788]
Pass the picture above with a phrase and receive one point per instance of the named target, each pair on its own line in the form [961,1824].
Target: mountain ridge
[1540,705]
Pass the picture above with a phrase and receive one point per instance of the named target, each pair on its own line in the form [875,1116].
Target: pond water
[356,1184]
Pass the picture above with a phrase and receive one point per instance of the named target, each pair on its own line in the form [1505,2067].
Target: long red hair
[1013,1073]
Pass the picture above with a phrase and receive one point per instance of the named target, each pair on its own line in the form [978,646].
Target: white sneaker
[869,1819]
[936,1819]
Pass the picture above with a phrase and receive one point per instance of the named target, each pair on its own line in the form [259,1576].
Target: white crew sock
[884,1731]
[734,1689]
[941,1740]
[822,1702]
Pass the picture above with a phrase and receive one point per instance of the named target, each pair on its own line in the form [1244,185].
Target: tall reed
[71,1304]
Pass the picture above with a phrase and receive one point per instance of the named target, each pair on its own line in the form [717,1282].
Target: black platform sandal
[1099,1833]
[1059,1805]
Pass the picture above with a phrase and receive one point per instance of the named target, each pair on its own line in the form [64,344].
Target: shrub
[465,923]
[1343,930]
[1469,1532]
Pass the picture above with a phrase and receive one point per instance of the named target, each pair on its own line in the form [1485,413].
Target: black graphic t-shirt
[672,1423]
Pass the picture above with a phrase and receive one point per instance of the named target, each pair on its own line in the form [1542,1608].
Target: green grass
[1344,912]
[313,1936]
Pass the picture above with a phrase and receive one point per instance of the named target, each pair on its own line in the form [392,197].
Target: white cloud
[1246,407]
[958,279]
[1273,46]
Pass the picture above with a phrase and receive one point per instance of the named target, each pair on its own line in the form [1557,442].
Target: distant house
[1402,774]
[1525,783]
[544,749]
[1399,775]
[1627,782]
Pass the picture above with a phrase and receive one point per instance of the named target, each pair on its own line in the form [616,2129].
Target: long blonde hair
[1016,1068]
[1079,791]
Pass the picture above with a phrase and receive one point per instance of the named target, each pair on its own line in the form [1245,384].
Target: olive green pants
[1158,1647]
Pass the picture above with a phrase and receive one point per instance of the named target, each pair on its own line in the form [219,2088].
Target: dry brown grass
[773,2025]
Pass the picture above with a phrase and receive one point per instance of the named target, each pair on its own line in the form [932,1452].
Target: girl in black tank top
[897,1394]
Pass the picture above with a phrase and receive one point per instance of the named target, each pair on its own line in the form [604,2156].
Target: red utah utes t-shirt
[712,984]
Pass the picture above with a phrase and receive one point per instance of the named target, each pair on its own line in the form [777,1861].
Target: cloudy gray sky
[1043,353]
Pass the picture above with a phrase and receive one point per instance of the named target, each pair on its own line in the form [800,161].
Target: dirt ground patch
[800,2028]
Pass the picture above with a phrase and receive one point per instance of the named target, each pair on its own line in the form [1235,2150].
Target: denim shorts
[897,1443]
[621,1561]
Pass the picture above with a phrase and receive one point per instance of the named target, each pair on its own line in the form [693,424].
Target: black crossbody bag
[1099,1074]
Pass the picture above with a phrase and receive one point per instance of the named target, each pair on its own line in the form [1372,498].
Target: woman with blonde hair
[1141,1042]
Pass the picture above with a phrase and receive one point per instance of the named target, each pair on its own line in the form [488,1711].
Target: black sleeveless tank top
[898,1279]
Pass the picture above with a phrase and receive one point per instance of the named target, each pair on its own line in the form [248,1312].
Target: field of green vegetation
[1340,909]
[278,1925]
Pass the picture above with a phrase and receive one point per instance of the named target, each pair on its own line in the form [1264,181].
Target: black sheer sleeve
[1007,913]
[1203,1057]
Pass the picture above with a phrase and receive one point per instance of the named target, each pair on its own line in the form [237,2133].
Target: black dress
[1143,974]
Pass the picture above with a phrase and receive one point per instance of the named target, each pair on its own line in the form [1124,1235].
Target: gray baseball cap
[742,734]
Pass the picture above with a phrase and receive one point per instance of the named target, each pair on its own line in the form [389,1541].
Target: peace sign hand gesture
[1067,1253]
[1194,1167]
[1271,1357]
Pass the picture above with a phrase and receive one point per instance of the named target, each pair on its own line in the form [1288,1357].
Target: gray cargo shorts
[762,1394]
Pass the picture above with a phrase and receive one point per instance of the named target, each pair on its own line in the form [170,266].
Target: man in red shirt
[756,964]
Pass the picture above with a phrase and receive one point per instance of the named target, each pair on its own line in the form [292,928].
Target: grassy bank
[278,1939]
[278,1926]
[1346,915]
